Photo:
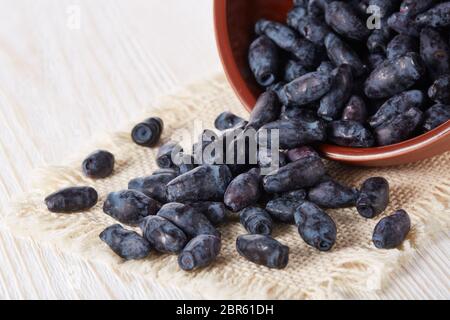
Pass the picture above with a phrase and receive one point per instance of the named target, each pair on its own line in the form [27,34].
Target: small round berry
[98,165]
[147,133]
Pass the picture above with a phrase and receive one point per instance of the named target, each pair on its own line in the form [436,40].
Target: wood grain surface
[72,69]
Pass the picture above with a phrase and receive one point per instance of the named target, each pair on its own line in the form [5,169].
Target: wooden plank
[61,83]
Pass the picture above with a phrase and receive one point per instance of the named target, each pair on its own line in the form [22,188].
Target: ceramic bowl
[234,25]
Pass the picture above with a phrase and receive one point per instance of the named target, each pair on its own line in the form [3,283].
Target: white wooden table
[70,69]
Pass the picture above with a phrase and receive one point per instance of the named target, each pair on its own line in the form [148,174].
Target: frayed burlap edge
[366,271]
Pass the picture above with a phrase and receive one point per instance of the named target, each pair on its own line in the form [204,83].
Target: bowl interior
[241,17]
[235,20]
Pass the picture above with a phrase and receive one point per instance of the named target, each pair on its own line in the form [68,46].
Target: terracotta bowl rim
[347,154]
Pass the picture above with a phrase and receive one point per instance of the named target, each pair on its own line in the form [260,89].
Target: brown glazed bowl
[234,22]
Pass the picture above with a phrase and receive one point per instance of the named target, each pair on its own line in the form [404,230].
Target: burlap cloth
[423,189]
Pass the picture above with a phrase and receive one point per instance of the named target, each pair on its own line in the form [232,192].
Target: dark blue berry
[400,128]
[414,7]
[300,174]
[401,45]
[263,250]
[98,165]
[341,53]
[283,209]
[148,133]
[355,110]
[313,29]
[301,153]
[373,198]
[267,109]
[437,16]
[375,59]
[343,19]
[333,102]
[435,52]
[256,220]
[397,105]
[436,116]
[167,153]
[317,8]
[264,61]
[74,199]
[306,113]
[391,231]
[267,159]
[315,226]
[379,39]
[386,7]
[188,219]
[350,134]
[216,212]
[301,3]
[154,186]
[440,90]
[244,190]
[163,235]
[125,243]
[306,89]
[204,183]
[185,163]
[403,24]
[287,39]
[227,120]
[331,194]
[293,70]
[130,206]
[326,67]
[394,76]
[200,252]
[294,16]
[294,133]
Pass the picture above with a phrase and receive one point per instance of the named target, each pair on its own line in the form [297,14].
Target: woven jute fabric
[422,189]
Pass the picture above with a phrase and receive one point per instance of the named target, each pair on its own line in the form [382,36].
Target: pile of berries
[180,206]
[357,87]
